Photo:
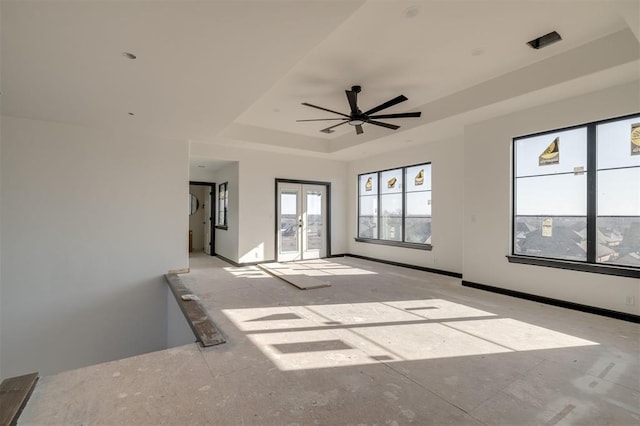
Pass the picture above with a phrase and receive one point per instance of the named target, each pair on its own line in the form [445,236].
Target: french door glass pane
[314,220]
[288,221]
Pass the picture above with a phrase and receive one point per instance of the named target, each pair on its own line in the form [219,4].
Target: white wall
[196,220]
[178,330]
[447,182]
[257,213]
[256,197]
[226,243]
[90,222]
[1,291]
[487,188]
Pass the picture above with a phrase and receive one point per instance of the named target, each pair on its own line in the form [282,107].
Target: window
[223,201]
[394,206]
[577,197]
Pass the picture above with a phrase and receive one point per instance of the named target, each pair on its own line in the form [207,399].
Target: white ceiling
[222,71]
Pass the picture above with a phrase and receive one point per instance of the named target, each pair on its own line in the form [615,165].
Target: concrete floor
[382,346]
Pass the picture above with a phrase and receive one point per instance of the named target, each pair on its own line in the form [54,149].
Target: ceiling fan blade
[400,115]
[330,128]
[387,104]
[322,119]
[352,97]
[381,124]
[359,130]
[324,109]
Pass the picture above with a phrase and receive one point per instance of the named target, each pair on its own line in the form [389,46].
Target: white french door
[301,221]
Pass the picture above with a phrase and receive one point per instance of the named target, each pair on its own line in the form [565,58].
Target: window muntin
[395,205]
[561,209]
[223,200]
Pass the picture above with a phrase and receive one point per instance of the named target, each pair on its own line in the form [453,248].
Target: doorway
[201,217]
[302,222]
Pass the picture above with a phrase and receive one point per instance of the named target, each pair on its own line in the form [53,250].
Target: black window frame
[378,240]
[223,202]
[590,264]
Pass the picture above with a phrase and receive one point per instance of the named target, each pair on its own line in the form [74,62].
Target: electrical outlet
[630,300]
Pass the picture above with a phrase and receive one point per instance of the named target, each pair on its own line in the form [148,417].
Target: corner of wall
[1,332]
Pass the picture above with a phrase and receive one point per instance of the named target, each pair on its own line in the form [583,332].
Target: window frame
[222,213]
[378,240]
[590,264]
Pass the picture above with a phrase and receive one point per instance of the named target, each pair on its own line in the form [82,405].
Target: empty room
[399,212]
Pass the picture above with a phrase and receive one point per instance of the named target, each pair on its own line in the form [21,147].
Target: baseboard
[228,260]
[406,265]
[555,302]
[179,271]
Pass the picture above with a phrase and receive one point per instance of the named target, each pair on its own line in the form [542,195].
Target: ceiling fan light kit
[357,118]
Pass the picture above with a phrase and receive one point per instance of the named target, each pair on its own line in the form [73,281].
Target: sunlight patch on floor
[247,272]
[322,336]
[311,268]
[316,268]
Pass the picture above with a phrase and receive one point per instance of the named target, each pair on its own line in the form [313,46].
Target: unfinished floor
[383,345]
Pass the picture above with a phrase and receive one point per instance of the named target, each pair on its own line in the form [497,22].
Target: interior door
[301,221]
[208,214]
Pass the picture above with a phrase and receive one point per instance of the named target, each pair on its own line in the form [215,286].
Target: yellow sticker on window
[551,155]
[369,185]
[635,139]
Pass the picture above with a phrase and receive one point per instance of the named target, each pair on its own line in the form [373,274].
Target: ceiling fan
[357,118]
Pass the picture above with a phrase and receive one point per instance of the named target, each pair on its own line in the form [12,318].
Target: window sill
[395,243]
[620,271]
[224,228]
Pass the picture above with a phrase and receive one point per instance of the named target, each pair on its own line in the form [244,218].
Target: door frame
[327,186]
[212,211]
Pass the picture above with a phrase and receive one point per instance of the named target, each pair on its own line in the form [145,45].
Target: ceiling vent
[545,40]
